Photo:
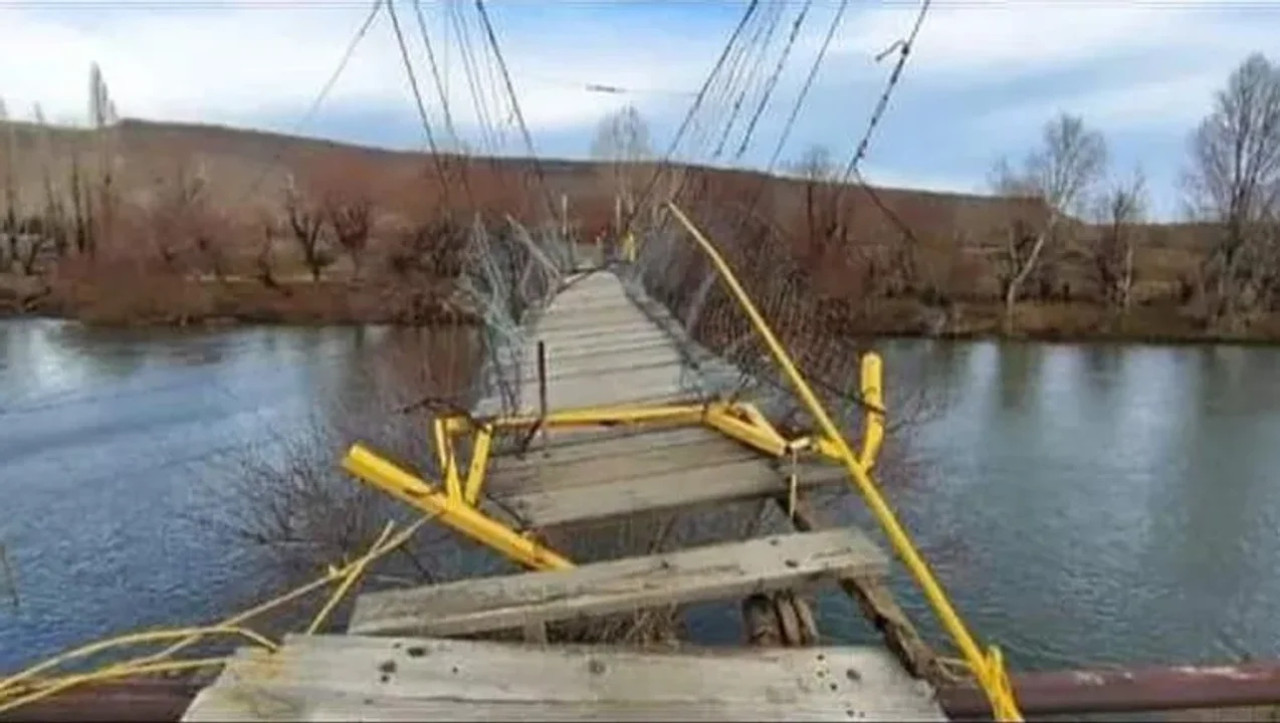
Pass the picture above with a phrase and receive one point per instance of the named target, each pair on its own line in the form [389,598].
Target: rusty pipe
[1151,688]
[1129,689]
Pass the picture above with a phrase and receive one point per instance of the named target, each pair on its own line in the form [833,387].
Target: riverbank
[1053,321]
[298,300]
[160,301]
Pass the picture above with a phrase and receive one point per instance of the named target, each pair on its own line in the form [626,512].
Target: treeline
[1085,234]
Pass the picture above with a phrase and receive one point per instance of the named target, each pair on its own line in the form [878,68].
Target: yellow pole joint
[453,512]
[873,397]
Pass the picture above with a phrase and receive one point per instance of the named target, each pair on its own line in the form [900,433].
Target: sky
[983,77]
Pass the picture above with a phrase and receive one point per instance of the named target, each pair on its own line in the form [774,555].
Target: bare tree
[54,221]
[1120,211]
[307,223]
[1234,181]
[9,223]
[815,164]
[817,169]
[1059,175]
[622,139]
[350,217]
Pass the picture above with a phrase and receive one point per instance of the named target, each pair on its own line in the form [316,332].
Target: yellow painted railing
[987,668]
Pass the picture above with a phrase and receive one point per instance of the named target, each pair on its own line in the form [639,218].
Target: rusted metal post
[1181,687]
[542,391]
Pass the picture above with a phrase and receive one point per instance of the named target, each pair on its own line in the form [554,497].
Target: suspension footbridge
[600,405]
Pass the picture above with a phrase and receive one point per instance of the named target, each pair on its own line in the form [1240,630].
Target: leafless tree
[815,164]
[350,219]
[9,223]
[54,220]
[622,140]
[821,202]
[1234,181]
[1120,211]
[307,223]
[1059,174]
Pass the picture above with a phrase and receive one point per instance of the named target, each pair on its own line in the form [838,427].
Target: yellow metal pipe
[455,513]
[1002,702]
[873,396]
[479,464]
[719,418]
[347,583]
[445,458]
[683,413]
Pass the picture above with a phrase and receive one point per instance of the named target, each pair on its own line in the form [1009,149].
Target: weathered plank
[687,487]
[713,572]
[351,677]
[640,455]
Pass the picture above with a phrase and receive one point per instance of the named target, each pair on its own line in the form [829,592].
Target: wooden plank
[743,480]
[351,677]
[656,453]
[713,572]
[605,442]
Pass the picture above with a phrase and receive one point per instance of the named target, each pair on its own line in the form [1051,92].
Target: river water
[1084,504]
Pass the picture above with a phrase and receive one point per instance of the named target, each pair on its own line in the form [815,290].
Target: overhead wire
[422,110]
[471,72]
[903,47]
[751,80]
[435,74]
[361,31]
[718,101]
[515,106]
[773,79]
[693,109]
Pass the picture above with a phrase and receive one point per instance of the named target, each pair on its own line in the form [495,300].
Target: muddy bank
[169,302]
[1053,321]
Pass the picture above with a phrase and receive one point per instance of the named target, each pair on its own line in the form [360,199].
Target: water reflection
[1117,501]
[1085,503]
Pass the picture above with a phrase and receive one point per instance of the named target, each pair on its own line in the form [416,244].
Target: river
[1084,504]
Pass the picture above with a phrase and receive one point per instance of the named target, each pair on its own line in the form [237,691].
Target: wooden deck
[603,348]
[345,677]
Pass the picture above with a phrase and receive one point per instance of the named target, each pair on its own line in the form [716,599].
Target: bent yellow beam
[455,513]
[721,418]
[479,463]
[675,413]
[988,670]
[445,459]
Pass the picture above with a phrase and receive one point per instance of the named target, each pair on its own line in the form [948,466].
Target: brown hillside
[952,247]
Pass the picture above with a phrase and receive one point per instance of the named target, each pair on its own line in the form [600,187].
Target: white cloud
[1172,102]
[994,42]
[1124,65]
[243,64]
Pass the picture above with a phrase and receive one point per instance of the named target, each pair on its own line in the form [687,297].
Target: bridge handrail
[988,667]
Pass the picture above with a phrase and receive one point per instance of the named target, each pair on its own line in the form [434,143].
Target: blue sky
[984,77]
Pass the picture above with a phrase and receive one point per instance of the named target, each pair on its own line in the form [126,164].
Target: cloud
[982,79]
[196,63]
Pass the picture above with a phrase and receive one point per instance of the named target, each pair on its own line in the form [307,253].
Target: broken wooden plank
[713,572]
[352,677]
[878,606]
[679,488]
